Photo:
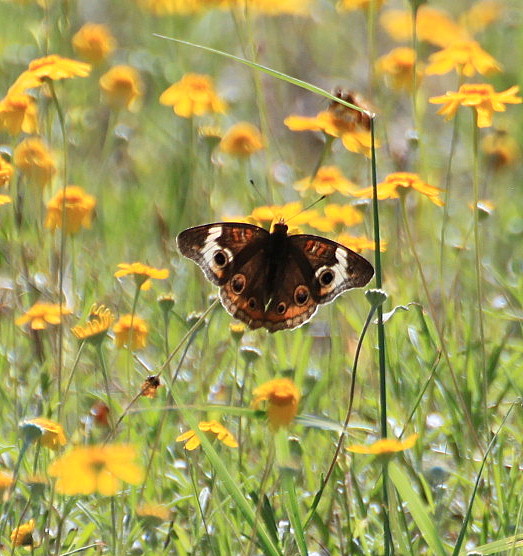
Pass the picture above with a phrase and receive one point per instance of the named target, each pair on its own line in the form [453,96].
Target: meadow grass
[439,358]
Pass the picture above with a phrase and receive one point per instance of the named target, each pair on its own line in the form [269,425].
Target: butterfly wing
[232,255]
[316,271]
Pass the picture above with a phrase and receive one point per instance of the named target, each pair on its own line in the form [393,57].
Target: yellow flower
[6,172]
[388,189]
[122,87]
[480,96]
[165,7]
[153,514]
[142,274]
[432,25]
[55,67]
[501,149]
[192,440]
[481,15]
[90,469]
[384,446]
[79,207]
[95,330]
[358,4]
[94,42]
[6,480]
[131,325]
[237,330]
[193,95]
[282,397]
[282,213]
[328,179]
[346,215]
[358,244]
[5,199]
[42,314]
[278,7]
[53,435]
[398,65]
[242,140]
[18,113]
[23,535]
[35,161]
[466,57]
[345,123]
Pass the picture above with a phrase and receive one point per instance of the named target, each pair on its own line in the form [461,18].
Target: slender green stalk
[105,375]
[479,281]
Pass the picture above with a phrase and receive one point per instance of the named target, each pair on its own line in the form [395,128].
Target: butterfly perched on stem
[272,279]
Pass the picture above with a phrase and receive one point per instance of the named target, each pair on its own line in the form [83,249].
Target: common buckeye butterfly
[272,279]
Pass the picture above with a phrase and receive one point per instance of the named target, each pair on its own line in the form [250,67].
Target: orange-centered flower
[282,397]
[94,42]
[328,180]
[23,534]
[18,113]
[142,273]
[384,446]
[389,188]
[193,95]
[79,208]
[52,433]
[122,87]
[90,469]
[192,441]
[131,326]
[35,161]
[42,314]
[242,140]
[466,57]
[482,97]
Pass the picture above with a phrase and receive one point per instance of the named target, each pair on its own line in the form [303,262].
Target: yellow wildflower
[94,42]
[23,534]
[95,330]
[482,14]
[282,213]
[79,208]
[122,87]
[282,397]
[237,330]
[500,148]
[345,215]
[18,113]
[481,97]
[142,273]
[35,161]
[42,314]
[388,189]
[6,172]
[55,67]
[466,57]
[5,200]
[432,25]
[398,66]
[53,435]
[242,140]
[193,95]
[6,480]
[90,469]
[358,244]
[384,446]
[192,440]
[131,326]
[328,180]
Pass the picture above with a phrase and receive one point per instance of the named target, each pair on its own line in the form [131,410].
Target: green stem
[105,375]
[477,263]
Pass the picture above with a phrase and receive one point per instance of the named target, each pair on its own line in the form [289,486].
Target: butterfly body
[272,279]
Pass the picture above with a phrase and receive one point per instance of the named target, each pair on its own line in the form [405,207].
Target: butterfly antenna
[308,207]
[255,187]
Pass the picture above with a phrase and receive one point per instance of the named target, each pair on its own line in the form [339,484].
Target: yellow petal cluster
[328,180]
[42,314]
[242,140]
[282,397]
[53,435]
[36,162]
[384,446]
[94,42]
[79,207]
[192,440]
[131,327]
[122,87]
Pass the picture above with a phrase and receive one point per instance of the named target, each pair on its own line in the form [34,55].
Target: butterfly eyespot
[238,283]
[251,303]
[220,258]
[281,307]
[301,295]
[326,277]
